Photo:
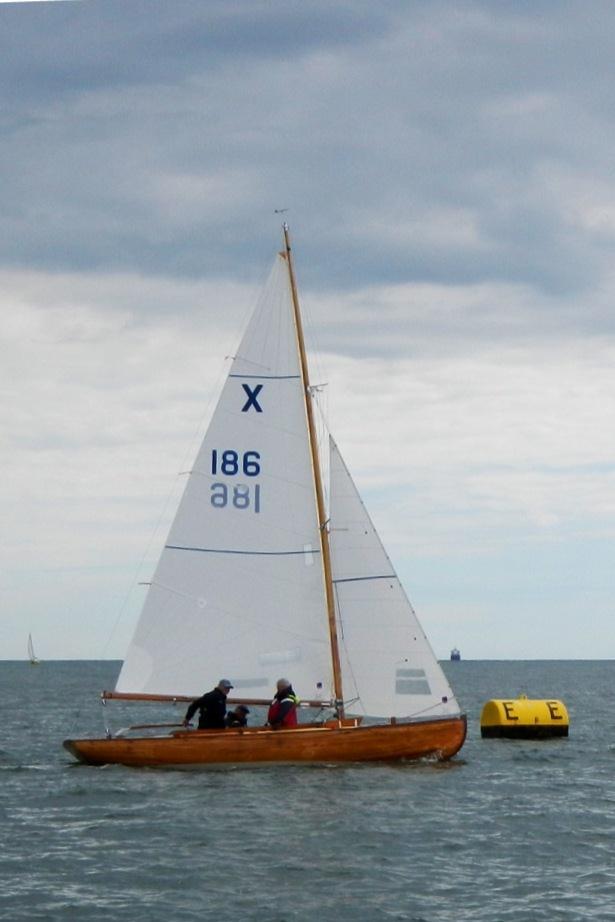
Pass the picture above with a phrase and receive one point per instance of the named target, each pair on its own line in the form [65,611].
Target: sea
[507,831]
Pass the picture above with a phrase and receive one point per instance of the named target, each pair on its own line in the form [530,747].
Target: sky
[448,173]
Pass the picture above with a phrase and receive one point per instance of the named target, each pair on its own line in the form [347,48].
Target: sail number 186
[229,463]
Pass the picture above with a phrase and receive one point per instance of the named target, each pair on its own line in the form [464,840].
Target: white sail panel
[239,590]
[388,666]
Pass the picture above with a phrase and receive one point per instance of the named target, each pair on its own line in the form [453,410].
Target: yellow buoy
[524,718]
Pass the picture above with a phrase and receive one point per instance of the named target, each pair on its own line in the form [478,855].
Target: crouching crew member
[238,717]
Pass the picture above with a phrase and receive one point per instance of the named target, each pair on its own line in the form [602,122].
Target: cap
[242,707]
[225,683]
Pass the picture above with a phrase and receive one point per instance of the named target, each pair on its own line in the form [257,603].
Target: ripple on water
[509,832]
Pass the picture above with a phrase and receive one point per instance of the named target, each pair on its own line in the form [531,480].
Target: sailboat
[34,660]
[267,573]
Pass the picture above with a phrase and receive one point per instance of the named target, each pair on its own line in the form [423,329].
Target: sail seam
[267,377]
[360,579]
[215,550]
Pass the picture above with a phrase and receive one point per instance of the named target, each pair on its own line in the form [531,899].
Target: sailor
[238,717]
[211,707]
[282,714]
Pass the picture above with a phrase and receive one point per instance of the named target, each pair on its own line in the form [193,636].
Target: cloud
[90,399]
[412,142]
[519,436]
[448,171]
[104,403]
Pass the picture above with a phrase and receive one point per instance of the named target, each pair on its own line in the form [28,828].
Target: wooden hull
[440,739]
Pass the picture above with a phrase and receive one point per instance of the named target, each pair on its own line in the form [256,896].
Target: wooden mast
[320,501]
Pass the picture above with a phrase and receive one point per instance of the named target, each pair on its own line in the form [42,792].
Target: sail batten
[362,579]
[215,550]
[266,377]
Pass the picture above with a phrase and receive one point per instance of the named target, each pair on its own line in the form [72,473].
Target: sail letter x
[252,395]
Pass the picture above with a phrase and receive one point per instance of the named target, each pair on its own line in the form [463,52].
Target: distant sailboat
[258,576]
[34,660]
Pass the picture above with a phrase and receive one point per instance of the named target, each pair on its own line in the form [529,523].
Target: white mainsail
[31,654]
[388,666]
[239,588]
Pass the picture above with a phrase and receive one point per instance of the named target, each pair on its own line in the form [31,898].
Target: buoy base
[532,732]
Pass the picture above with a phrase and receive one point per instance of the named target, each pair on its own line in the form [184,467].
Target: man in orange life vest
[282,714]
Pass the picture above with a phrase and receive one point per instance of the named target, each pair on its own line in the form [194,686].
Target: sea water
[508,831]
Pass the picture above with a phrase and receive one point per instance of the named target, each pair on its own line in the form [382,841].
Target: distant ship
[455,654]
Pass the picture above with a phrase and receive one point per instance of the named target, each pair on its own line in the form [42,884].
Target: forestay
[388,666]
[239,588]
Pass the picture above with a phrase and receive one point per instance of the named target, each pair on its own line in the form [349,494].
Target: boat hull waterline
[440,739]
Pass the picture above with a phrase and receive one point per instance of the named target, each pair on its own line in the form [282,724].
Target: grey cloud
[159,137]
[57,49]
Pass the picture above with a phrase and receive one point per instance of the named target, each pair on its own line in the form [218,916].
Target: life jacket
[290,718]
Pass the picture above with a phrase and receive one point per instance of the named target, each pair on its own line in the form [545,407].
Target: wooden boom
[264,702]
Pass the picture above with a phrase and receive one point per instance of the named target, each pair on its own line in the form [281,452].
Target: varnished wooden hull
[440,739]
